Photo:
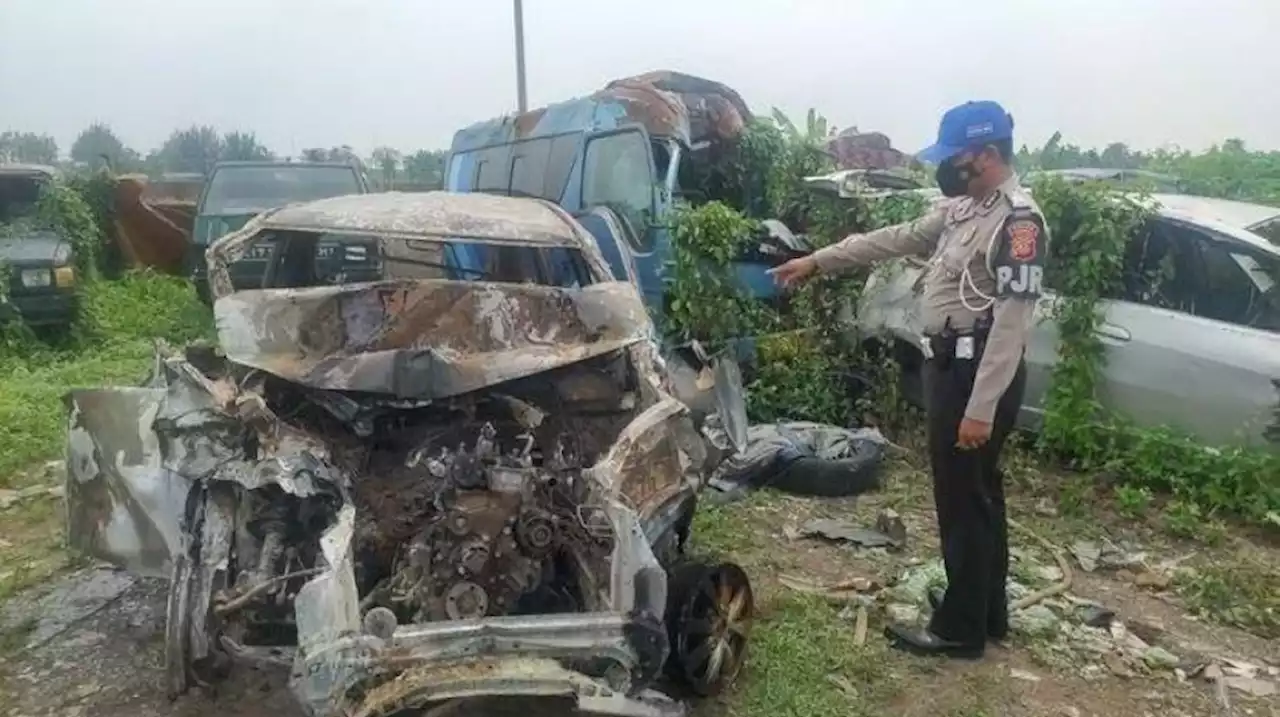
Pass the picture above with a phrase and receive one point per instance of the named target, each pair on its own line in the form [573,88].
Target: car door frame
[645,254]
[1114,310]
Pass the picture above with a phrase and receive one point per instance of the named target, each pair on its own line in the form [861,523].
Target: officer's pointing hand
[973,434]
[794,271]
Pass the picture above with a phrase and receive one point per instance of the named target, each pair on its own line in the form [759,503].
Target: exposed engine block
[467,563]
[487,538]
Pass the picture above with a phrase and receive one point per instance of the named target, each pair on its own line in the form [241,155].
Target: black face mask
[953,179]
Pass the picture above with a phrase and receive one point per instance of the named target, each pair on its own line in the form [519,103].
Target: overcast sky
[407,73]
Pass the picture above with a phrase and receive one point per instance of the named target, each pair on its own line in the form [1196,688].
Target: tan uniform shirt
[986,254]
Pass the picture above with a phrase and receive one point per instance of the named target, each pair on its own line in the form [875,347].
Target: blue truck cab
[618,160]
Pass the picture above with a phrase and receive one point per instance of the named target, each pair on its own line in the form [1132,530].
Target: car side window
[618,173]
[1149,272]
[1225,291]
[564,152]
[1187,269]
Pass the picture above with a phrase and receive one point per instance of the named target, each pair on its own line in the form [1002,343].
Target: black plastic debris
[804,458]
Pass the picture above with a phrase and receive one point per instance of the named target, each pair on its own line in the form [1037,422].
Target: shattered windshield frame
[297,259]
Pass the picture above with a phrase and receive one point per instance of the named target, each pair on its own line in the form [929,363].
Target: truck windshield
[18,197]
[234,190]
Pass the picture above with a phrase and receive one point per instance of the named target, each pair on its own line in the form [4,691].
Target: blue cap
[972,124]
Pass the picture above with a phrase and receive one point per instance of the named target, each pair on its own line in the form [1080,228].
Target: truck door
[618,173]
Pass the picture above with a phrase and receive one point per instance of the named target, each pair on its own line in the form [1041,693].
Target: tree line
[197,148]
[1228,169]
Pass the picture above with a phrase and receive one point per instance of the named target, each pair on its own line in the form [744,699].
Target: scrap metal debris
[890,523]
[860,625]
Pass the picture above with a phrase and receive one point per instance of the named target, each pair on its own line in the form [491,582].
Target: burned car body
[449,483]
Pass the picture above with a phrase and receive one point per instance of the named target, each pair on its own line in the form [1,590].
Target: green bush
[97,190]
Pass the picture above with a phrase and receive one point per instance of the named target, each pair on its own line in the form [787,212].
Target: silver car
[1191,340]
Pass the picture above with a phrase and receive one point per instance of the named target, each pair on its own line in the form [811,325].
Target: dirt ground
[90,641]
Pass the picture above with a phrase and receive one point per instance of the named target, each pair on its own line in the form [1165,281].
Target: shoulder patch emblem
[1023,237]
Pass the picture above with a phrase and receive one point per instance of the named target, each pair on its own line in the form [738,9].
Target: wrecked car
[461,480]
[37,262]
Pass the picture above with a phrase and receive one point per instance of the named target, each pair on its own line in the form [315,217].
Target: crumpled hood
[425,339]
[33,246]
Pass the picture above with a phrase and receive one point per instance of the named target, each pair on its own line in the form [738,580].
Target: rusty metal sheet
[151,233]
[425,338]
[472,215]
[674,103]
[865,150]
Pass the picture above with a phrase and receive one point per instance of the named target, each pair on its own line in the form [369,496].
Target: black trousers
[968,491]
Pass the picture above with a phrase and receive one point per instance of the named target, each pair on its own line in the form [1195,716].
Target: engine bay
[471,508]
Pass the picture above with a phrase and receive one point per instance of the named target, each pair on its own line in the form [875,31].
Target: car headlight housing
[36,278]
[64,276]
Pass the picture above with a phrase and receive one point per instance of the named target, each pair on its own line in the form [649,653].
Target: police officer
[987,251]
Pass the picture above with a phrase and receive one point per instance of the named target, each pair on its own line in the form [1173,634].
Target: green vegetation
[122,319]
[1243,592]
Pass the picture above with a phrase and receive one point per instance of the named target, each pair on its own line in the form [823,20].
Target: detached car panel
[422,487]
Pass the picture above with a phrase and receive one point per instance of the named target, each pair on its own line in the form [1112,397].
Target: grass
[1242,591]
[113,344]
[803,659]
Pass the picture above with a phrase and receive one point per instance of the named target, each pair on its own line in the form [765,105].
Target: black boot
[997,628]
[920,641]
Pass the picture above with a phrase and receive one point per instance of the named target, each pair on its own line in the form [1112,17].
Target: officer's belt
[965,344]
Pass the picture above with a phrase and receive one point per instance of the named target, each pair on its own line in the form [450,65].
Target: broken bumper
[590,660]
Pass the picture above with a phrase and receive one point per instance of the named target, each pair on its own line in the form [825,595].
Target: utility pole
[522,97]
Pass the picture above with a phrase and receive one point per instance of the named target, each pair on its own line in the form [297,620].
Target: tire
[824,478]
[697,625]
